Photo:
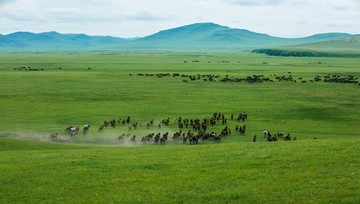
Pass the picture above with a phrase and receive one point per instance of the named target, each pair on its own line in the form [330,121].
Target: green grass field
[95,168]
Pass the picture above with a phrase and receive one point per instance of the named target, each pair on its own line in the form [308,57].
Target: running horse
[54,136]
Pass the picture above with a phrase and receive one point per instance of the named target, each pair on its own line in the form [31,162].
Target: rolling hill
[344,44]
[199,36]
[345,47]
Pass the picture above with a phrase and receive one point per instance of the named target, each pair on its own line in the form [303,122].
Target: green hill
[339,45]
[347,47]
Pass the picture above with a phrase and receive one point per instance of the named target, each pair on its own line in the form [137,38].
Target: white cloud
[146,16]
[291,18]
[254,2]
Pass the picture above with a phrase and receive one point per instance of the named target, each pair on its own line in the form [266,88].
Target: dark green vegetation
[199,36]
[96,168]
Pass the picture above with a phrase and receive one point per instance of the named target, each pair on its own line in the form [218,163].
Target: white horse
[265,132]
[86,129]
[74,131]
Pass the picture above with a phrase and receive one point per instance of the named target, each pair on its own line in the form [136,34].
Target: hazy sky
[137,18]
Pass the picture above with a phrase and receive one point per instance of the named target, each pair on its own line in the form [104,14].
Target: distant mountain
[56,41]
[210,36]
[6,44]
[203,36]
[199,36]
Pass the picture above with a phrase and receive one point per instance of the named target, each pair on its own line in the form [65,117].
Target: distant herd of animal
[329,78]
[190,131]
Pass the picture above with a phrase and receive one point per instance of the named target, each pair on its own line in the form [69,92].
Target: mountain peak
[205,24]
[51,33]
[196,30]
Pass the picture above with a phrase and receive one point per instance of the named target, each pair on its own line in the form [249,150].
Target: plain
[42,93]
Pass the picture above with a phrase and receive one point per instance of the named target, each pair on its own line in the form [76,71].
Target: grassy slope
[34,104]
[347,47]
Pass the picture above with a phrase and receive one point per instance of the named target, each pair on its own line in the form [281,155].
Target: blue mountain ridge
[198,36]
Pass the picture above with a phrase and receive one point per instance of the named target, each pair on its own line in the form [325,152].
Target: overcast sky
[137,18]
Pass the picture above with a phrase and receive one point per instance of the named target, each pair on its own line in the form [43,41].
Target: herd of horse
[190,131]
[256,78]
[199,127]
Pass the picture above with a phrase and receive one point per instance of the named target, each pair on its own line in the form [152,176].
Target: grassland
[95,168]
